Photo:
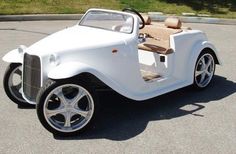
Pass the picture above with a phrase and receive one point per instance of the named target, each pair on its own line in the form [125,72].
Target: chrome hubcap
[68,108]
[15,83]
[204,70]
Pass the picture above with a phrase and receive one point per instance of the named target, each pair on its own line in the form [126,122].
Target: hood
[76,38]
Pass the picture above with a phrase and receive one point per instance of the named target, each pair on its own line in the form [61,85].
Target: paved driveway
[184,121]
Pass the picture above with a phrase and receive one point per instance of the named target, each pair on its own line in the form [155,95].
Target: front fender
[14,56]
[70,69]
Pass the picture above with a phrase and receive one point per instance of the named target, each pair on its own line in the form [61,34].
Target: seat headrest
[147,19]
[173,22]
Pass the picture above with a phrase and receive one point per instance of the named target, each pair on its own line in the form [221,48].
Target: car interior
[158,37]
[154,48]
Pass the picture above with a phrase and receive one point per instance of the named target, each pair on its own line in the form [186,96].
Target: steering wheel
[137,13]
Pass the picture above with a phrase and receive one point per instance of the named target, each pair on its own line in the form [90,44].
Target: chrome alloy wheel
[68,108]
[15,83]
[204,70]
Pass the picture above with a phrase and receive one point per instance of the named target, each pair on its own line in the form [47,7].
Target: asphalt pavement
[184,121]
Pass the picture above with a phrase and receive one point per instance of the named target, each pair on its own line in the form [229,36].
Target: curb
[155,16]
[36,17]
[192,19]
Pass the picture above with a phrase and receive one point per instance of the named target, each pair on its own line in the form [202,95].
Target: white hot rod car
[117,49]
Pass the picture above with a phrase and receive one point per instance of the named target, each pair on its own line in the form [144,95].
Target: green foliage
[217,8]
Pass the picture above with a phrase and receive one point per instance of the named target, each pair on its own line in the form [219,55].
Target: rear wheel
[12,82]
[204,70]
[67,107]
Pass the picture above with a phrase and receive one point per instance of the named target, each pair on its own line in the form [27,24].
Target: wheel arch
[82,72]
[91,79]
[197,49]
[213,53]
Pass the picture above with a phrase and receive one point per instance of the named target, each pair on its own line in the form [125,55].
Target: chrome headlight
[21,49]
[54,59]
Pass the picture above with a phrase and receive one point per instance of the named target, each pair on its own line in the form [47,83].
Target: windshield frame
[107,11]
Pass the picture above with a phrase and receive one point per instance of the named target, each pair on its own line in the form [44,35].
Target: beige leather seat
[159,40]
[173,22]
[147,19]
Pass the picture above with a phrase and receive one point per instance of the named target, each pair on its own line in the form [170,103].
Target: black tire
[50,86]
[204,53]
[16,97]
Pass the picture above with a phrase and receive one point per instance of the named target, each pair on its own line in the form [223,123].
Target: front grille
[31,76]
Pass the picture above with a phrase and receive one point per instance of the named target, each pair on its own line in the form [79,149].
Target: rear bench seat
[159,36]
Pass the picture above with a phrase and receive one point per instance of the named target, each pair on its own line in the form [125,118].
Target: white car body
[114,58]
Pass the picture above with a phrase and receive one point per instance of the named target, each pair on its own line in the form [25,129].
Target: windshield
[109,21]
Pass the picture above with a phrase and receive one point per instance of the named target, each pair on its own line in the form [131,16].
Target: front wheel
[12,82]
[204,70]
[66,107]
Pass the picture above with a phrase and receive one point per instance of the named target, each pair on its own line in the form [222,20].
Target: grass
[215,8]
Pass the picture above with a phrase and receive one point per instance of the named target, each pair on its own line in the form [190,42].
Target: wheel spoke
[203,63]
[208,73]
[18,71]
[80,112]
[67,119]
[61,96]
[208,63]
[54,112]
[198,73]
[203,75]
[76,99]
[17,87]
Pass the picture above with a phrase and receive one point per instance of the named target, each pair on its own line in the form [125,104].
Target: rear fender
[196,50]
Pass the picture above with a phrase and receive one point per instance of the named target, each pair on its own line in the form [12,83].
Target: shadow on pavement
[29,106]
[122,119]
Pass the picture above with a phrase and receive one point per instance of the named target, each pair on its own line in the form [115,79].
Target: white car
[116,49]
